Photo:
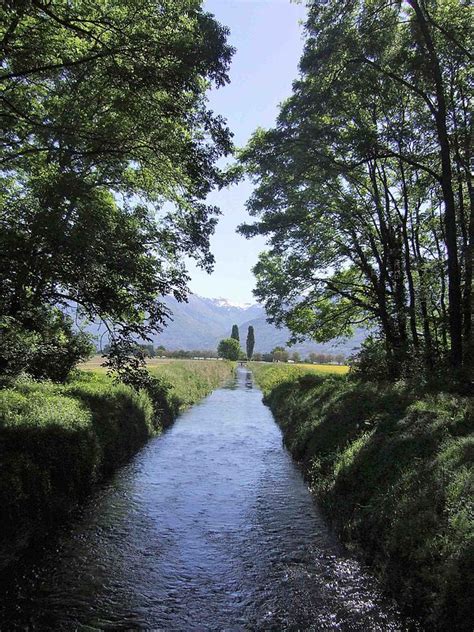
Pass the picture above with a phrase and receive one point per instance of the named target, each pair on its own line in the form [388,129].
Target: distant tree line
[150,351]
[278,354]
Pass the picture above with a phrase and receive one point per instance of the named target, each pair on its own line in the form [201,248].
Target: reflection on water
[211,527]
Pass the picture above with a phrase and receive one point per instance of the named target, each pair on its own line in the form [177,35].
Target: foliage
[364,187]
[235,333]
[326,358]
[108,153]
[229,348]
[392,467]
[250,342]
[370,363]
[56,442]
[48,349]
[280,354]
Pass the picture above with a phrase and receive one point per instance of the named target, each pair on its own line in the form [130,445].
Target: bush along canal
[210,527]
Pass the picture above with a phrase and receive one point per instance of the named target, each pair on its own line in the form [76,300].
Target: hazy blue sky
[268,37]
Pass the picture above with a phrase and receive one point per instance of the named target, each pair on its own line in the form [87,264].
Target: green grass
[57,441]
[191,380]
[392,468]
[270,374]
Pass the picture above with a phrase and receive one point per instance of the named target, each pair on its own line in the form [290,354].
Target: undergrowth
[392,468]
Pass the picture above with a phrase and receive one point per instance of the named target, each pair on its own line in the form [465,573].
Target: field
[268,375]
[95,363]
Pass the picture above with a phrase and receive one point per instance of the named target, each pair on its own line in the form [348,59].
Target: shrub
[47,347]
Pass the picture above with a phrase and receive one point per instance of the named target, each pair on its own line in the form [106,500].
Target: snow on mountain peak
[224,302]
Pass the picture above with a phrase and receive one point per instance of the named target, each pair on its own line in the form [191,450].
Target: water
[211,527]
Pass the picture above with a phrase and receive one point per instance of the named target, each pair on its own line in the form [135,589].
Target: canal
[210,527]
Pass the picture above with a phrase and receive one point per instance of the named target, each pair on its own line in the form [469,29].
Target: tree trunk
[454,273]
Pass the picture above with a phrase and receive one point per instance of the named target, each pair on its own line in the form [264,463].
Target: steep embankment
[57,441]
[392,468]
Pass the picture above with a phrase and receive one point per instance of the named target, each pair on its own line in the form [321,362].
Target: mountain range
[202,322]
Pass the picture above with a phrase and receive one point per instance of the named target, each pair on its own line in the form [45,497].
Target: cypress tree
[235,333]
[250,342]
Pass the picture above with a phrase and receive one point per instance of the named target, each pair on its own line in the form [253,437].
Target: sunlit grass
[392,467]
[190,380]
[269,375]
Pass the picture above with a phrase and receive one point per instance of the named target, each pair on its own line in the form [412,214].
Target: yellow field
[322,368]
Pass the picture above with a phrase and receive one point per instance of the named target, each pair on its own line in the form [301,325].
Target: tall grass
[269,375]
[191,380]
[392,468]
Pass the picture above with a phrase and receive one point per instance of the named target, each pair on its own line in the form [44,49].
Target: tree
[235,333]
[250,342]
[48,349]
[229,349]
[367,175]
[295,356]
[108,153]
[280,354]
[148,350]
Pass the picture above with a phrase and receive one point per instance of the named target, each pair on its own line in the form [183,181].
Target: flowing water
[211,527]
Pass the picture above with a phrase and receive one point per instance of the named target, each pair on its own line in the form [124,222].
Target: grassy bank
[392,468]
[57,441]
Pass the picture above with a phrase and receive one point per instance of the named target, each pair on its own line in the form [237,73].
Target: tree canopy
[363,188]
[108,153]
[229,349]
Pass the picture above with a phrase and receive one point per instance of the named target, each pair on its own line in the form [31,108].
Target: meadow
[270,375]
[392,468]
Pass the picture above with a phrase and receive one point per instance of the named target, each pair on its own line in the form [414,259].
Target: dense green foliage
[364,185]
[235,333]
[250,342]
[57,440]
[49,348]
[229,348]
[108,153]
[280,354]
[393,469]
